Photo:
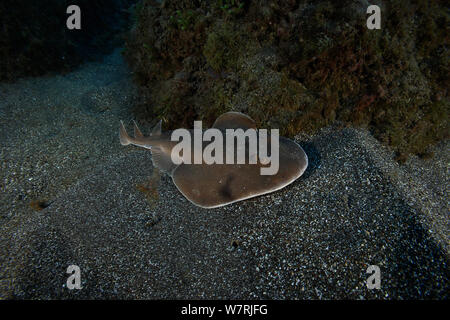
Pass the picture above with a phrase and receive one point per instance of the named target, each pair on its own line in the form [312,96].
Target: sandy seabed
[353,207]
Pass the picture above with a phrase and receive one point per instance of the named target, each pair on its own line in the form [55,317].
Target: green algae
[223,47]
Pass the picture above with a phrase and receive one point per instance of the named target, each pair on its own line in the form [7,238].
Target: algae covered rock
[296,65]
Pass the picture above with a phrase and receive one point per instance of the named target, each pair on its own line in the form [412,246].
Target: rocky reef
[296,65]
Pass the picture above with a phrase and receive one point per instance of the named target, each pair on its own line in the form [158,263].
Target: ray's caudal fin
[123,135]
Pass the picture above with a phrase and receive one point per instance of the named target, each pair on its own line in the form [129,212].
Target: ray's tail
[139,138]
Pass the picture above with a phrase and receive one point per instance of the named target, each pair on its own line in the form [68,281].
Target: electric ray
[215,185]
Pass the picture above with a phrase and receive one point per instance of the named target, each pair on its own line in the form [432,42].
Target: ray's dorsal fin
[234,120]
[156,131]
[162,160]
[137,132]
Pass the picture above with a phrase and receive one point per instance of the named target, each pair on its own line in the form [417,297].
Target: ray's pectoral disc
[217,185]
